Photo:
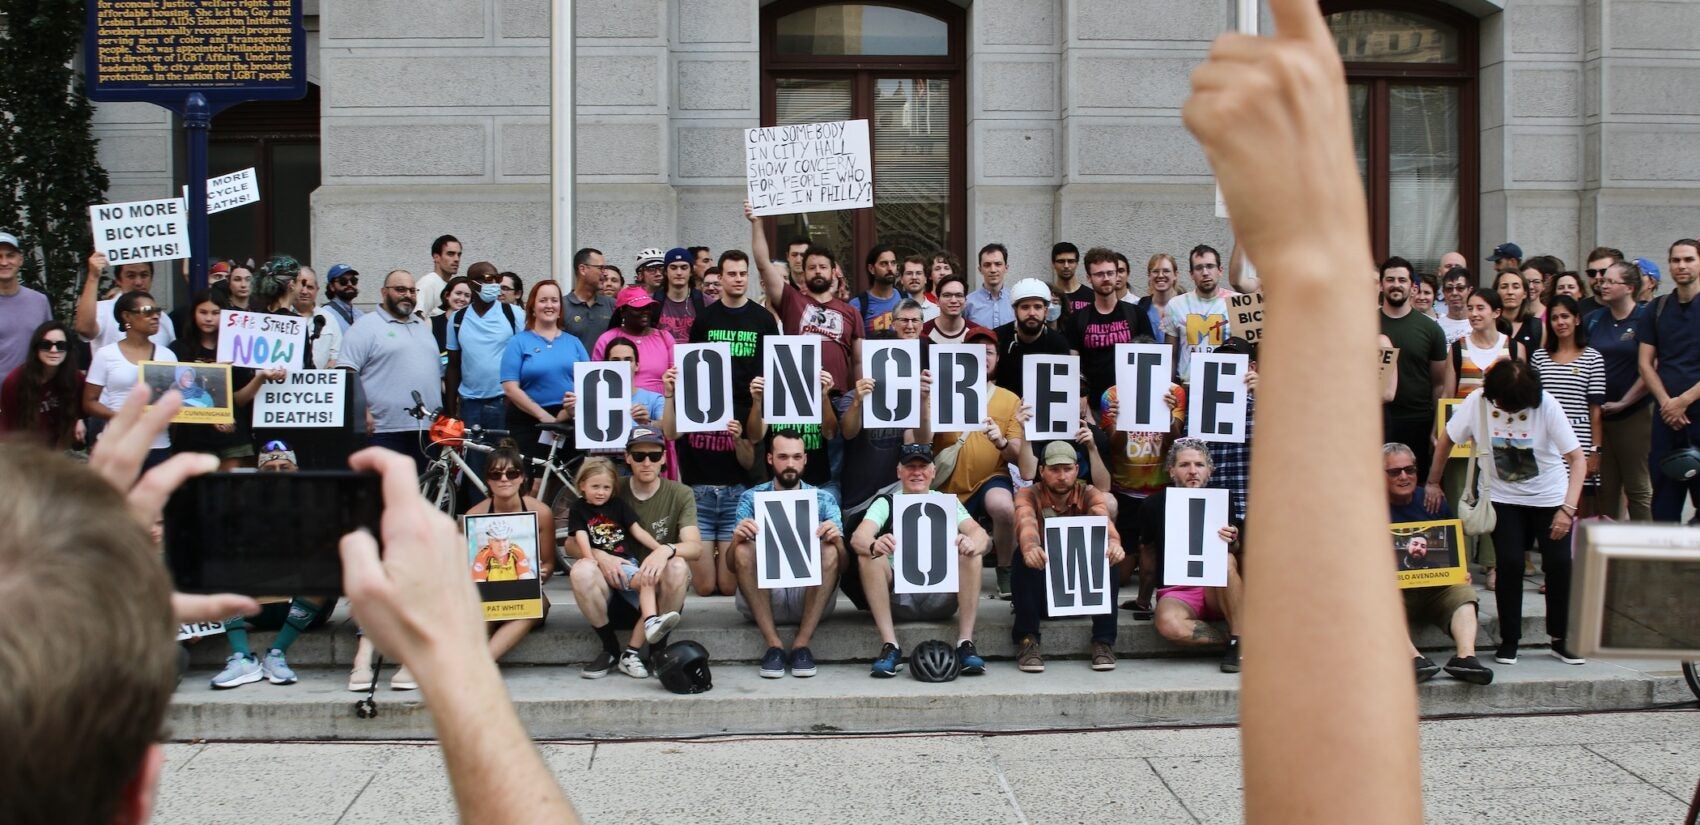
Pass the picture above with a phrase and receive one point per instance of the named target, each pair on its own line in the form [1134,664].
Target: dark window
[280,140]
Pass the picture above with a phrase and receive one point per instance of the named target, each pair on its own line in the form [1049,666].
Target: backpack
[1652,317]
[507,312]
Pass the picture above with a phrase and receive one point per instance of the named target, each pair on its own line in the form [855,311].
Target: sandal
[1140,611]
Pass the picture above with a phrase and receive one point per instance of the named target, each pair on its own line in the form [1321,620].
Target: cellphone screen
[267,534]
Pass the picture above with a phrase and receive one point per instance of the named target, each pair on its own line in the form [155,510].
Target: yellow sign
[1443,414]
[205,389]
[1429,553]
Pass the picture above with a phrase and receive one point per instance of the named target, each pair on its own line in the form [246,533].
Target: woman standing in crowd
[1538,467]
[635,314]
[1626,416]
[1571,284]
[232,443]
[113,370]
[40,397]
[1519,308]
[537,368]
[1487,344]
[504,472]
[456,294]
[1162,281]
[1575,374]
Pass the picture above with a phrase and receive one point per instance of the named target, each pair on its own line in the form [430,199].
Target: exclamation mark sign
[1195,548]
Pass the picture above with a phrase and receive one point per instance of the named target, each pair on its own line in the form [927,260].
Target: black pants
[1413,434]
[1027,589]
[1515,528]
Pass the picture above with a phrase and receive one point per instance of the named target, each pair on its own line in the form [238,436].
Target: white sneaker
[657,627]
[238,670]
[631,664]
[403,680]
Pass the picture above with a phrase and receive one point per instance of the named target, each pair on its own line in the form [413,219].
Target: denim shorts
[717,509]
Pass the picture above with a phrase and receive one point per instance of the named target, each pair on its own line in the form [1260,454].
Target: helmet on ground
[683,668]
[934,661]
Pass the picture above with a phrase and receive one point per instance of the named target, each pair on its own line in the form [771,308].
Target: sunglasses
[510,474]
[1595,273]
[274,447]
[148,311]
[646,455]
[348,280]
[53,346]
[1395,472]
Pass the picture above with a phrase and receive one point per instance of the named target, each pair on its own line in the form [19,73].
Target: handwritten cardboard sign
[809,167]
[261,341]
[1245,316]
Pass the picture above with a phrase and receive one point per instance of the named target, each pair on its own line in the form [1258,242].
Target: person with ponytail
[41,397]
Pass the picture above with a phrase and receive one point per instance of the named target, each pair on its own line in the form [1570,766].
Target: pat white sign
[703,392]
[792,393]
[788,552]
[1077,566]
[1051,386]
[1194,555]
[305,398]
[141,231]
[809,167]
[924,527]
[199,630]
[230,191]
[261,341]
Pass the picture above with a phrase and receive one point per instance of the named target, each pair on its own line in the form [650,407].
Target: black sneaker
[599,666]
[1564,655]
[1468,669]
[970,659]
[773,663]
[1506,654]
[1231,656]
[1426,668]
[802,663]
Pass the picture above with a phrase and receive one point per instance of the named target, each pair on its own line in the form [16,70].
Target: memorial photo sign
[703,394]
[1216,402]
[788,551]
[1194,554]
[895,367]
[604,411]
[502,552]
[1429,553]
[924,526]
[205,389]
[1077,566]
[960,398]
[792,365]
[1050,384]
[1142,382]
[809,167]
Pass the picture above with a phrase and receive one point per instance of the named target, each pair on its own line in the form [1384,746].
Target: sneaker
[403,680]
[360,679]
[1027,657]
[656,628]
[1003,583]
[889,662]
[1506,654]
[802,663]
[1426,668]
[773,664]
[598,666]
[1466,668]
[1103,658]
[1231,656]
[969,659]
[1564,655]
[276,669]
[238,670]
[631,664]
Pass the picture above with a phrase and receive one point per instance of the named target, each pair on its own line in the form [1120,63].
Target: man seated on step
[1184,613]
[874,541]
[1450,607]
[804,607]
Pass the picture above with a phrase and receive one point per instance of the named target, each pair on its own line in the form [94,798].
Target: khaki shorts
[787,604]
[1434,606]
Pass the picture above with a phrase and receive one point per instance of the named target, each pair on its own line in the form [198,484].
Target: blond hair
[594,467]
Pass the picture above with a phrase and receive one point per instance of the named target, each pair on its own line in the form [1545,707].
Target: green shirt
[667,513]
[1421,342]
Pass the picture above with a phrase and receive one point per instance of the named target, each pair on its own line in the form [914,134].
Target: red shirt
[836,322]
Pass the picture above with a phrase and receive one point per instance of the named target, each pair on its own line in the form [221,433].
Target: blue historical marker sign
[161,51]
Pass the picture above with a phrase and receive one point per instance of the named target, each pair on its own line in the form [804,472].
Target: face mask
[1052,313]
[488,293]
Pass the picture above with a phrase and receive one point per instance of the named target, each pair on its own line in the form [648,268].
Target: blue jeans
[405,442]
[491,414]
[717,509]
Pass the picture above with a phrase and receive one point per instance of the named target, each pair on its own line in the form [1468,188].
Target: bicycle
[444,474]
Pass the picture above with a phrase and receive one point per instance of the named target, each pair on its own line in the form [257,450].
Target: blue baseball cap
[1649,269]
[678,254]
[1506,250]
[337,271]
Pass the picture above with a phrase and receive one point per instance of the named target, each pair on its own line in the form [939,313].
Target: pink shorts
[1192,597]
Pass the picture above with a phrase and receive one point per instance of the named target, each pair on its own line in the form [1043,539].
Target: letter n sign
[788,552]
[703,392]
[1077,566]
[924,527]
[792,365]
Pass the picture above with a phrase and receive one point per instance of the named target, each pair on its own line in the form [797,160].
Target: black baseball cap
[915,452]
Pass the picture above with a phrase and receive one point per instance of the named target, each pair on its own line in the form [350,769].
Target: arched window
[1411,75]
[899,66]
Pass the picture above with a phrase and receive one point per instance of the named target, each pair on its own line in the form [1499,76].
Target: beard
[820,285]
[885,279]
[1396,298]
[1031,326]
[788,477]
[400,308]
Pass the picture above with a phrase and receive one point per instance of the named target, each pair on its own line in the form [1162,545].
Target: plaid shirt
[1233,465]
[1034,504]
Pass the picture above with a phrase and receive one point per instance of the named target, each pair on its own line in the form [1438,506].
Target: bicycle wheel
[436,487]
[1691,672]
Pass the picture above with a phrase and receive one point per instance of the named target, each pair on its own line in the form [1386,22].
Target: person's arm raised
[1272,116]
[772,277]
[85,322]
[419,606]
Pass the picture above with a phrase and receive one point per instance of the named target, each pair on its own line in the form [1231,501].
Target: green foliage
[49,174]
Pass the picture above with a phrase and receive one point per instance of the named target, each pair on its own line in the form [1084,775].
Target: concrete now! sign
[140,231]
[230,191]
[809,167]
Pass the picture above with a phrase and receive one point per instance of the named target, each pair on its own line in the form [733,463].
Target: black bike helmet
[1682,464]
[683,668]
[934,661]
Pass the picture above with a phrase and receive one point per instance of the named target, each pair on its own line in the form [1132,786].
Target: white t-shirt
[430,297]
[1453,329]
[1528,449]
[1200,326]
[116,377]
[109,332]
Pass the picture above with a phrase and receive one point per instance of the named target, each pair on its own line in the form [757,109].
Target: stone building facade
[1561,123]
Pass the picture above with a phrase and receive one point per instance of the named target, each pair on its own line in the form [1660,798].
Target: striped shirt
[1578,385]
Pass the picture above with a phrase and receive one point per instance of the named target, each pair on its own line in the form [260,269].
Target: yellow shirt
[979,458]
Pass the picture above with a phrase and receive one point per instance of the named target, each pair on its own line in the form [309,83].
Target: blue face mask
[1053,312]
[488,293]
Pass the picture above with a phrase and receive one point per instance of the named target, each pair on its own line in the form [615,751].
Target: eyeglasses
[908,320]
[507,288]
[510,474]
[148,311]
[402,290]
[646,456]
[1457,287]
[1205,268]
[1596,273]
[1395,472]
[53,346]
[1605,282]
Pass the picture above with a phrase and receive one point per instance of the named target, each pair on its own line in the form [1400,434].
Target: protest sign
[788,552]
[604,411]
[1429,553]
[205,389]
[1245,316]
[924,527]
[1389,370]
[199,630]
[1442,416]
[230,191]
[1050,384]
[502,552]
[793,392]
[895,367]
[261,341]
[304,398]
[140,231]
[809,167]
[1077,566]
[1194,554]
[960,397]
[1142,382]
[703,393]
[1217,401]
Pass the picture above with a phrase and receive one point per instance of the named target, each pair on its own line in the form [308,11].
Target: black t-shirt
[710,458]
[1420,342]
[743,328]
[870,462]
[1079,299]
[1095,335]
[206,437]
[1012,351]
[818,471]
[609,526]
